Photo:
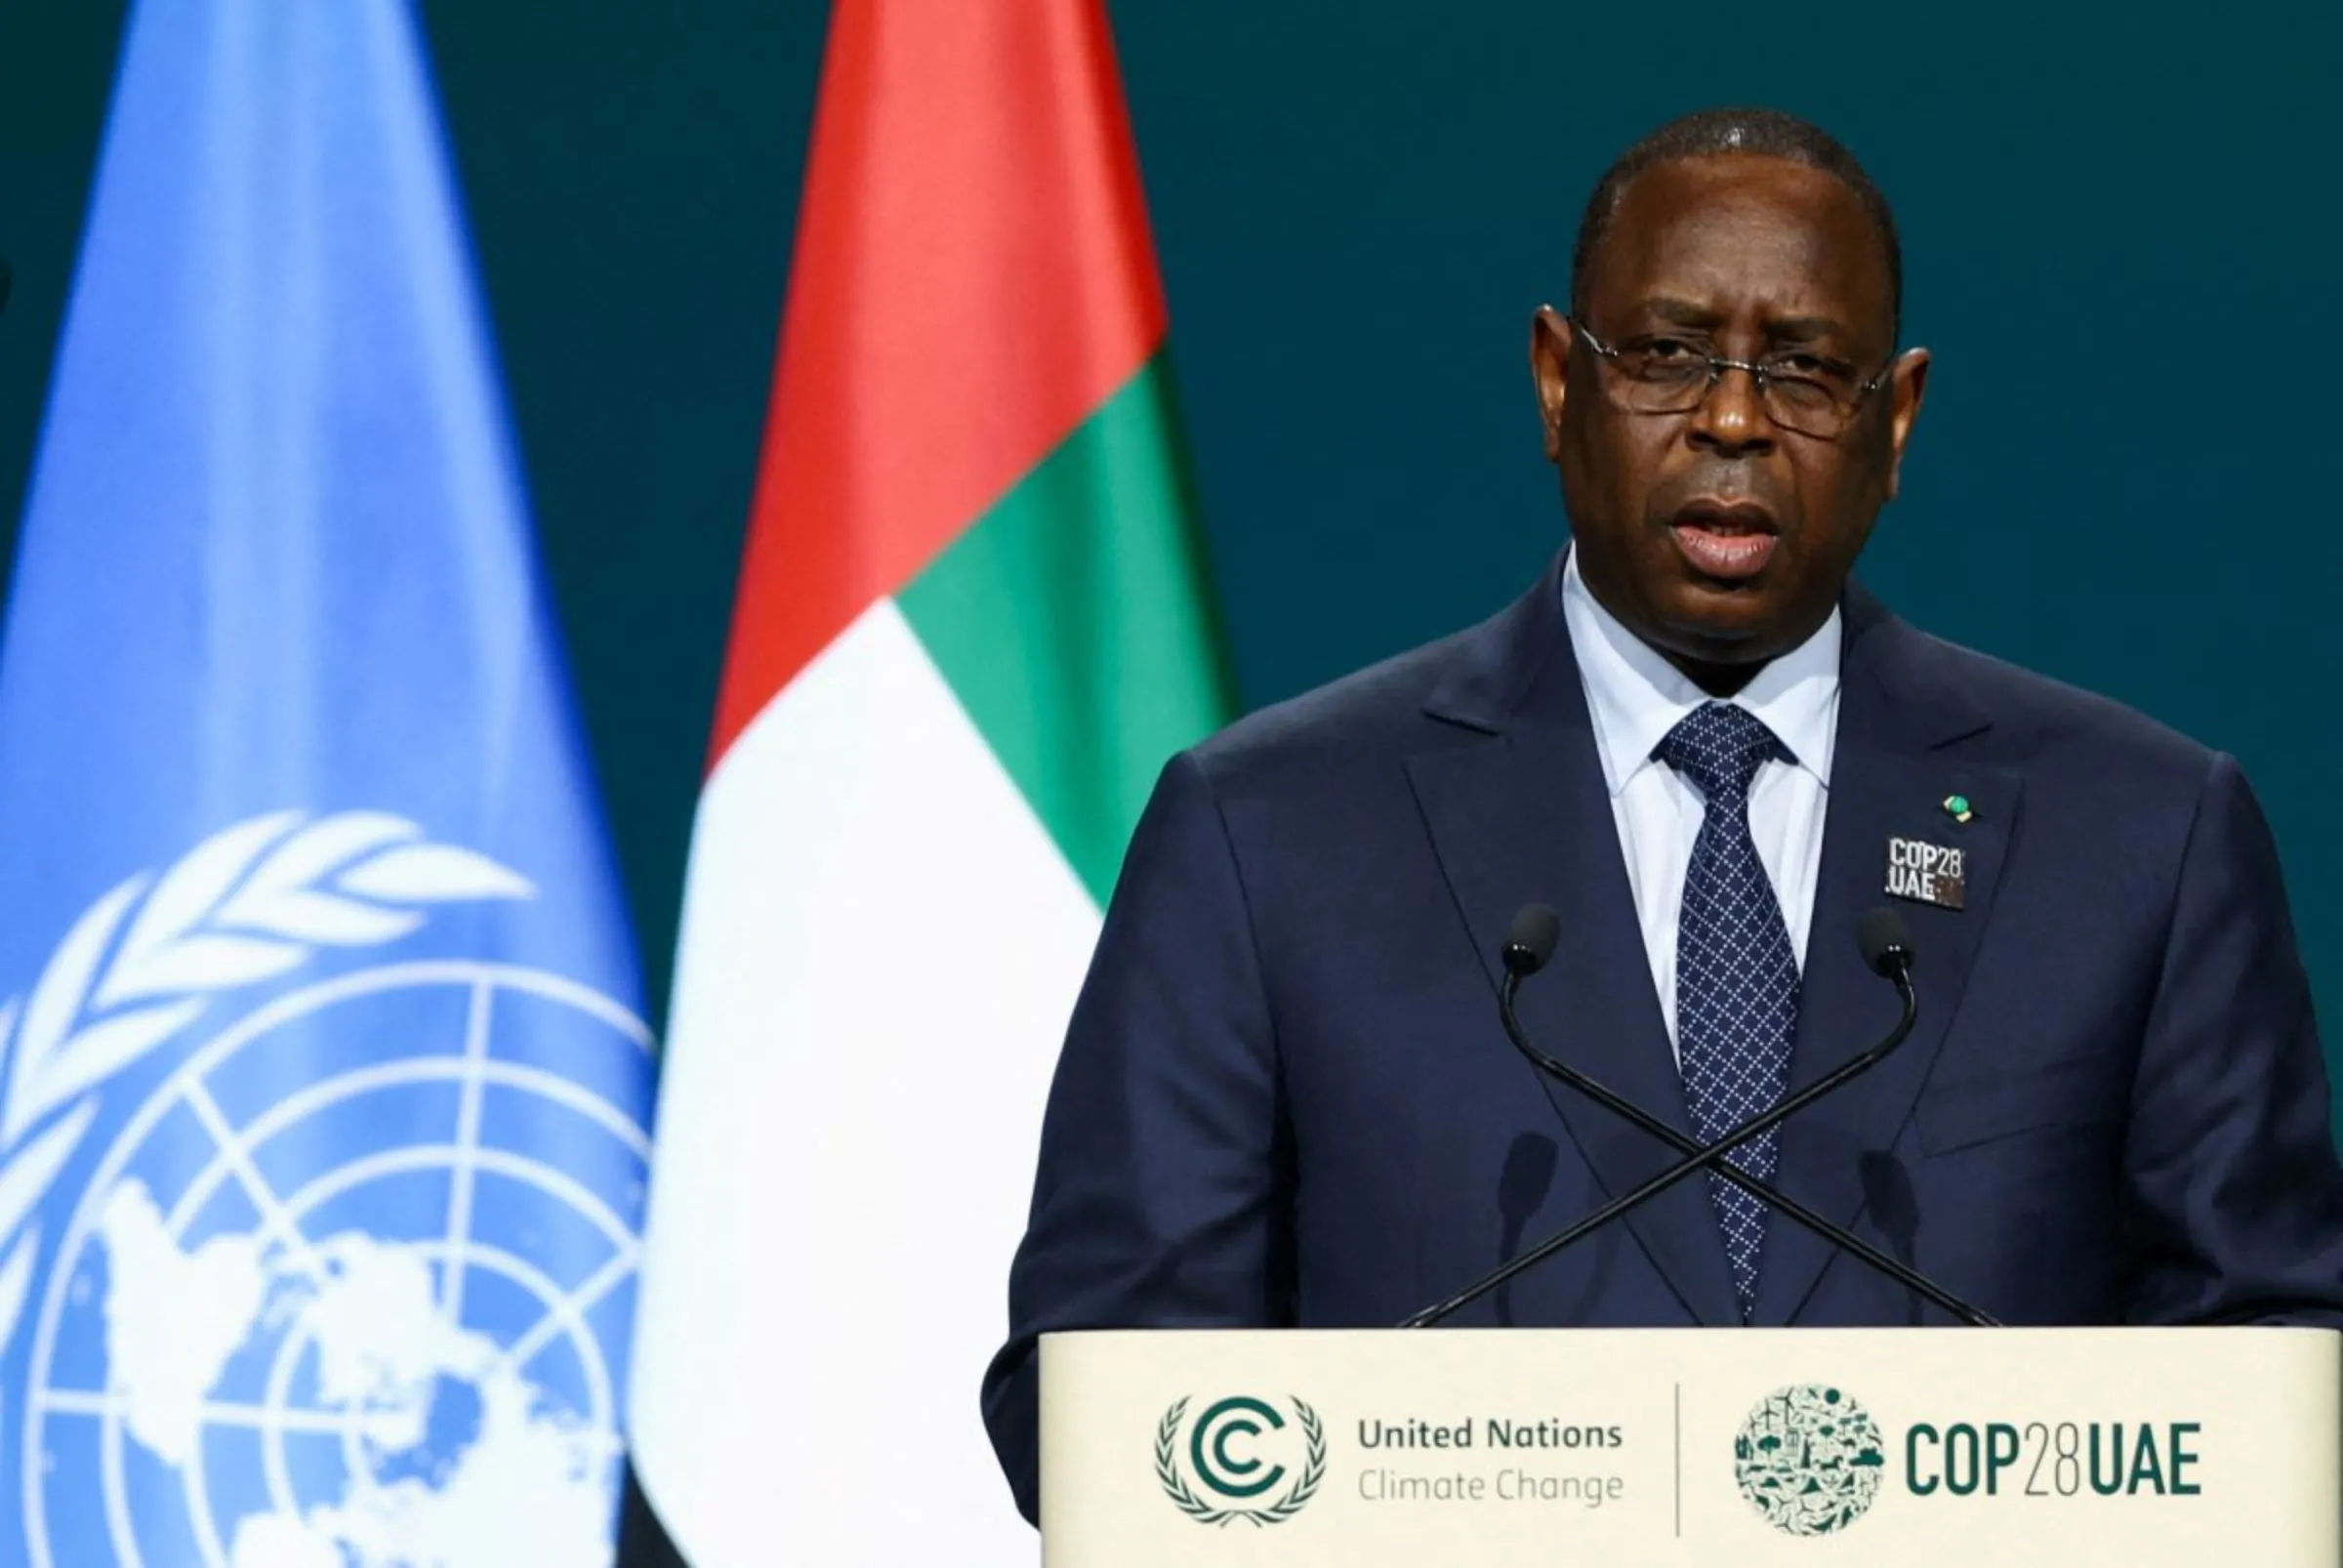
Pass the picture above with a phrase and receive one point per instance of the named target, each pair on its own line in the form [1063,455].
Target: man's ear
[1549,369]
[1905,392]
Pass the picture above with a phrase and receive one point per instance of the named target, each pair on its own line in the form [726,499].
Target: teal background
[2120,223]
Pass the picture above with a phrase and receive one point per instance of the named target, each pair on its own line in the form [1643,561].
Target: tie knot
[1719,746]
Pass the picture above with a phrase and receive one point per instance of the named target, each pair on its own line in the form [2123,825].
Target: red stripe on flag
[973,276]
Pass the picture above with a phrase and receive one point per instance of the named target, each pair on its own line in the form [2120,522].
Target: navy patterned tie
[1736,978]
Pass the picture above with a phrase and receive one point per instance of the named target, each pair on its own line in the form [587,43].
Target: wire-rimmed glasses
[1801,391]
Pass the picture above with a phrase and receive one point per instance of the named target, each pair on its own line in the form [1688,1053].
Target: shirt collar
[1635,696]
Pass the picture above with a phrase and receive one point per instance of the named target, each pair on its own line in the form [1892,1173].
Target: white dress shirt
[1635,697]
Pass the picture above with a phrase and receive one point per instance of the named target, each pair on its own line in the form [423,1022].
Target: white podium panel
[2140,1447]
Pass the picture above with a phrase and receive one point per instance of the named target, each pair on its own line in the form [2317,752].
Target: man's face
[1716,535]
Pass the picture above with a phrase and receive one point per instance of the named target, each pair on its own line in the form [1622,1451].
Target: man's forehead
[1718,228]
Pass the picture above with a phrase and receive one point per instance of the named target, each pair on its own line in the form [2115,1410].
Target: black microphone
[1530,943]
[1887,949]
[1886,946]
[6,278]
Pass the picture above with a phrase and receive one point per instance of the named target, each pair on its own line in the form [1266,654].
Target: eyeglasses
[1800,390]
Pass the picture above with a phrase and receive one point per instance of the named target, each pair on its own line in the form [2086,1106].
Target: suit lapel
[1896,760]
[1520,813]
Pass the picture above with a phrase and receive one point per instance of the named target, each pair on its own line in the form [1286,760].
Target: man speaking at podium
[1286,1100]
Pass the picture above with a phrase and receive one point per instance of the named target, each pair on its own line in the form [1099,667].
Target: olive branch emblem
[1182,1496]
[253,901]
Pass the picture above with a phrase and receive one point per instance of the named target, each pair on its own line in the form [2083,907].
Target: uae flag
[973,624]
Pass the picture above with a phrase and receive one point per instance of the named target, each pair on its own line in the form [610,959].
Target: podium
[1443,1448]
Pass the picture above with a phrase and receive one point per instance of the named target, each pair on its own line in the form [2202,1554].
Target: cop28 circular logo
[1241,1450]
[1809,1459]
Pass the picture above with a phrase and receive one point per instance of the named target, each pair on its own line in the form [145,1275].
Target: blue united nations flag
[322,1089]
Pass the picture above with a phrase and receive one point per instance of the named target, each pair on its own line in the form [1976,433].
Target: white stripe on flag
[880,945]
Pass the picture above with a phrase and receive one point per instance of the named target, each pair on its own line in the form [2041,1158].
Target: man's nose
[1732,418]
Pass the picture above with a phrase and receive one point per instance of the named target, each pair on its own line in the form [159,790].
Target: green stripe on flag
[1075,623]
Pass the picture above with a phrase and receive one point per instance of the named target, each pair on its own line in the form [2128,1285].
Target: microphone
[1530,943]
[6,278]
[1885,944]
[1887,949]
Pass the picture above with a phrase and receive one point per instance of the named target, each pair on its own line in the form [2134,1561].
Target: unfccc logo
[1240,1450]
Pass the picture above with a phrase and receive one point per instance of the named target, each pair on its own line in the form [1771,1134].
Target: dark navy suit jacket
[1286,1100]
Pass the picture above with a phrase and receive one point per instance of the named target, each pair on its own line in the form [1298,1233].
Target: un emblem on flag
[349,1281]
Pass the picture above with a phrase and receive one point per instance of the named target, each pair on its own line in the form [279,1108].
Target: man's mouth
[1729,540]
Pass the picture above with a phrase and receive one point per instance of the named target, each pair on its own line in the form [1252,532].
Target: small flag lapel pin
[1956,806]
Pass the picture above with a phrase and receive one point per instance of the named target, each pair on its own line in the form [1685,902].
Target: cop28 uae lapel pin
[1927,873]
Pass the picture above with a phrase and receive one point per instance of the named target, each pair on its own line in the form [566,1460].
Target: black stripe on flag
[642,1540]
